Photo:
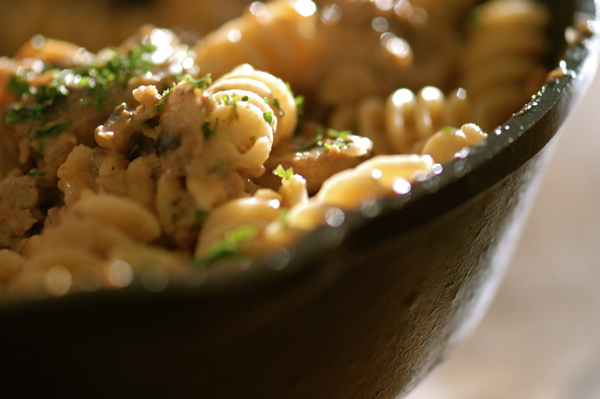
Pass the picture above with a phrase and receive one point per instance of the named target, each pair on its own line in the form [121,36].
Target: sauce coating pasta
[158,158]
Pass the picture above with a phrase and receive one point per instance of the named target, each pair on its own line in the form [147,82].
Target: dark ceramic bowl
[364,310]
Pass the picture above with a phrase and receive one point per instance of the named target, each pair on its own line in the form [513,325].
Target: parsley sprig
[282,172]
[115,68]
[327,138]
[229,246]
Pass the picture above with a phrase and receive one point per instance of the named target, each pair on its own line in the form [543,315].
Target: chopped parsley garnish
[200,218]
[50,129]
[448,129]
[268,116]
[19,112]
[229,245]
[283,173]
[207,130]
[201,83]
[18,86]
[338,144]
[299,104]
[36,173]
[164,100]
[233,100]
[38,98]
[278,106]
[97,79]
[327,138]
[161,105]
[218,168]
[226,99]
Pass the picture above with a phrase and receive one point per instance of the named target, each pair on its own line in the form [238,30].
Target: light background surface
[541,337]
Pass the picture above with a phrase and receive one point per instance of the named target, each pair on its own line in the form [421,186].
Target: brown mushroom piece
[316,153]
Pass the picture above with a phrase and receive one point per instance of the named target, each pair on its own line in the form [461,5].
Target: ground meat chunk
[19,192]
[316,154]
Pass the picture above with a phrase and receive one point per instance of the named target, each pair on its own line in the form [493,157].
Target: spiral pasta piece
[121,213]
[238,222]
[265,91]
[251,226]
[403,121]
[445,144]
[254,225]
[503,56]
[380,176]
[278,36]
[250,111]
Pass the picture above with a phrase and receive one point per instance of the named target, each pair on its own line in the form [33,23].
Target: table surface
[541,336]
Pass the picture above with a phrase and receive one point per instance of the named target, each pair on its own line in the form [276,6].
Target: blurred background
[541,337]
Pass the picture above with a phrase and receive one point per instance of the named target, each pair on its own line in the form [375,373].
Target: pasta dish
[159,156]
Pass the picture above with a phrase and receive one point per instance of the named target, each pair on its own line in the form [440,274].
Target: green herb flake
[160,107]
[207,130]
[299,104]
[283,173]
[164,99]
[315,141]
[227,100]
[327,138]
[229,245]
[448,129]
[97,79]
[19,112]
[201,83]
[39,98]
[36,173]
[278,106]
[18,86]
[268,116]
[50,129]
[338,134]
[201,216]
[218,168]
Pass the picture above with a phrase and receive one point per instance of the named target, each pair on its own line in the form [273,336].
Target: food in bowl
[157,159]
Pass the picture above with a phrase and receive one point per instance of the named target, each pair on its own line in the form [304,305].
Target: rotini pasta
[403,121]
[444,145]
[277,36]
[501,63]
[135,163]
[252,88]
